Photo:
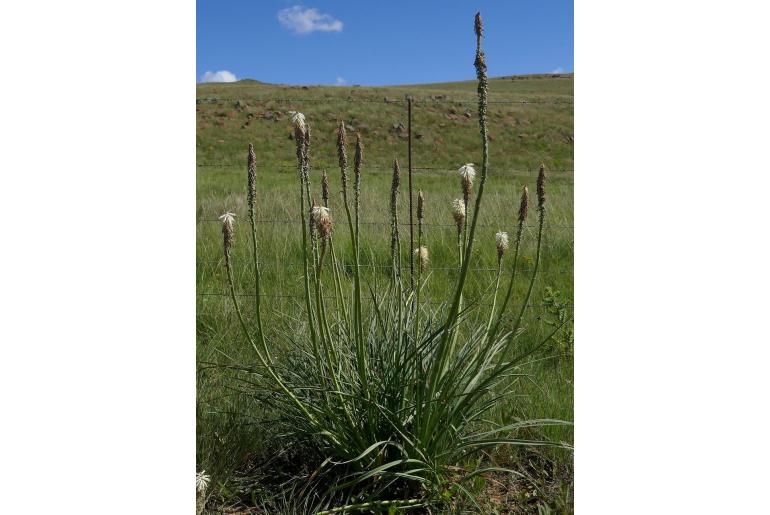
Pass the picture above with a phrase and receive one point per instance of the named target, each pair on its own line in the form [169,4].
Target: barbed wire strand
[381,100]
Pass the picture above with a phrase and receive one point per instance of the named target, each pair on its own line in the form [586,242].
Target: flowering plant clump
[392,392]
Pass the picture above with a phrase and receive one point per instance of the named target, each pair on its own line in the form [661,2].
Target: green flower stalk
[252,181]
[325,188]
[501,242]
[302,137]
[395,249]
[521,219]
[420,220]
[540,222]
[357,308]
[447,339]
[541,188]
[358,161]
[342,156]
[523,208]
[252,201]
[227,234]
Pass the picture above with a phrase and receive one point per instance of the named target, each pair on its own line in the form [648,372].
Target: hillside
[536,127]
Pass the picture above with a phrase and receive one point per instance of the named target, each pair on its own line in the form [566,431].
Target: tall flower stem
[271,371]
[523,209]
[252,196]
[420,217]
[299,136]
[540,221]
[450,324]
[357,163]
[357,311]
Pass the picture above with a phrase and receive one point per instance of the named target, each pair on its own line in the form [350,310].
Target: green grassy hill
[444,121]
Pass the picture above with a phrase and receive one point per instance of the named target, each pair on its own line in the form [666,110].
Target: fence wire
[415,101]
[387,168]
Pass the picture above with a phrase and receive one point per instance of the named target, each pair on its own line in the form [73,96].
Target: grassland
[531,124]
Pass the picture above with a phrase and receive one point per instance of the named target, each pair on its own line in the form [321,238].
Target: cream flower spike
[202,481]
[458,208]
[467,172]
[422,254]
[228,218]
[501,241]
[319,213]
[322,220]
[298,119]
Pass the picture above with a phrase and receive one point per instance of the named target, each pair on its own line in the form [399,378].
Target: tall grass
[393,393]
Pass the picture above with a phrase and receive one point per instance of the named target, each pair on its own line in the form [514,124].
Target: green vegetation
[243,437]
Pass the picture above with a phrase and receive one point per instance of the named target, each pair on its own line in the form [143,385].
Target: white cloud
[558,70]
[220,76]
[304,20]
[341,81]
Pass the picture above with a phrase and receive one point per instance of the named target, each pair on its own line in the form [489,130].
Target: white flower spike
[458,212]
[298,120]
[501,240]
[422,254]
[467,172]
[322,220]
[319,214]
[202,481]
[228,218]
[458,208]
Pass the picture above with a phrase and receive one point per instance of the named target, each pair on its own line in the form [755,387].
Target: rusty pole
[411,221]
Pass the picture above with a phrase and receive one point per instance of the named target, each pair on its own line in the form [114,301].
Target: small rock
[350,128]
[467,114]
[389,100]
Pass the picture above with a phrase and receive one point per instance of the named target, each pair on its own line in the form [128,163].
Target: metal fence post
[411,221]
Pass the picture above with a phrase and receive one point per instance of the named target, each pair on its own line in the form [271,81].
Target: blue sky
[378,42]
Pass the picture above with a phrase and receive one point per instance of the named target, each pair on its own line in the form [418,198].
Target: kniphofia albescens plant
[391,391]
